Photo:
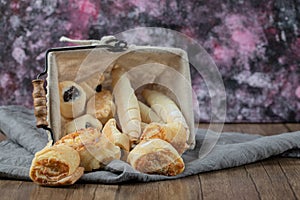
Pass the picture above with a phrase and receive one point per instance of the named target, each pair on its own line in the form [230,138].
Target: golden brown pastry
[166,108]
[128,109]
[82,122]
[173,133]
[147,114]
[72,99]
[112,133]
[156,156]
[55,166]
[101,106]
[94,149]
[143,126]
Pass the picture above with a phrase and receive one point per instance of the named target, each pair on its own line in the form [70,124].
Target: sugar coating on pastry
[56,165]
[82,122]
[101,106]
[156,156]
[72,99]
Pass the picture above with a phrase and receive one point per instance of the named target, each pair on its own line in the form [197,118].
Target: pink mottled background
[255,44]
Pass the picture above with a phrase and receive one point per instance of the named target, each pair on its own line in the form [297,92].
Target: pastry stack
[101,124]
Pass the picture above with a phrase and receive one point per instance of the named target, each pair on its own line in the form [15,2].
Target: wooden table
[275,178]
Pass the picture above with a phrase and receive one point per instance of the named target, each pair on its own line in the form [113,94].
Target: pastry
[147,114]
[95,80]
[72,99]
[128,110]
[82,122]
[156,156]
[143,126]
[56,165]
[173,133]
[101,106]
[94,149]
[166,108]
[112,133]
[88,90]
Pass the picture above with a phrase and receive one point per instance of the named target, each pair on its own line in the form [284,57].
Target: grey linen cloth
[232,149]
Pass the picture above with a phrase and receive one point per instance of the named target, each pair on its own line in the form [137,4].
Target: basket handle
[40,107]
[39,103]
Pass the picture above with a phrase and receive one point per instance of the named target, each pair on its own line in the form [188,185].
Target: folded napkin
[231,149]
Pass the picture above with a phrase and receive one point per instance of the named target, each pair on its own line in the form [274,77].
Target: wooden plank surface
[293,127]
[274,178]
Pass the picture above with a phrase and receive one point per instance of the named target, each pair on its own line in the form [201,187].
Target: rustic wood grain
[9,189]
[291,170]
[232,183]
[268,176]
[291,166]
[275,178]
[269,180]
[293,127]
[228,184]
[261,129]
[185,188]
[138,191]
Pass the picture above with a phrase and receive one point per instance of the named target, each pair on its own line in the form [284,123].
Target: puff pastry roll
[166,108]
[113,134]
[128,109]
[56,165]
[94,149]
[156,156]
[173,133]
[147,114]
[101,106]
[83,122]
[72,99]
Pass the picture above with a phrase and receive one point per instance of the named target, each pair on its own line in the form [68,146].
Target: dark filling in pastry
[99,88]
[71,94]
[88,125]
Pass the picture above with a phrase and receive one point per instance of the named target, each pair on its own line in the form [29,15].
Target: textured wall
[255,44]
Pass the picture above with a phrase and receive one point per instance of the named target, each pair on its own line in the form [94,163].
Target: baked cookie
[72,99]
[82,122]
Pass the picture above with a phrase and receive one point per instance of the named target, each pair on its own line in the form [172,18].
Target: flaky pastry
[55,166]
[101,106]
[166,108]
[128,109]
[156,156]
[173,133]
[94,149]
